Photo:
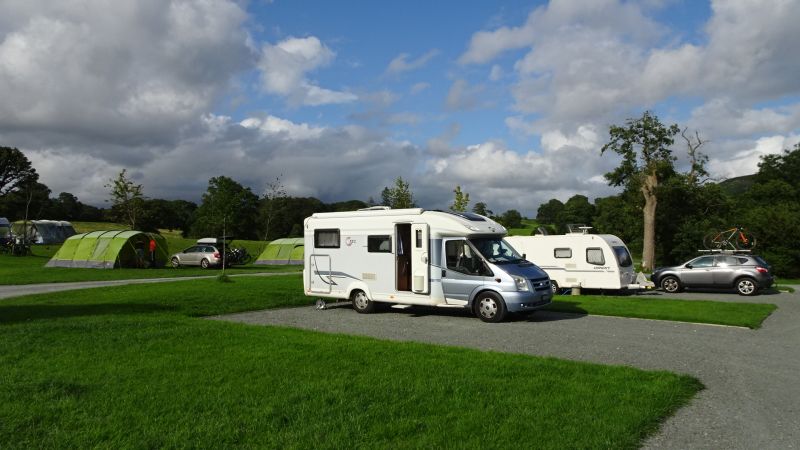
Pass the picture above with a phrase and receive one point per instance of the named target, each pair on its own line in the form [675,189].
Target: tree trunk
[649,211]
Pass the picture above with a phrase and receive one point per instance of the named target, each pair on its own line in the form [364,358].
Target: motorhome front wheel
[491,307]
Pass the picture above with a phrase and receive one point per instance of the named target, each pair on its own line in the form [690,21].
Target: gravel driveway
[752,377]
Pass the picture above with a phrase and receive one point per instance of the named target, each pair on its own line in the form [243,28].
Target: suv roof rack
[724,251]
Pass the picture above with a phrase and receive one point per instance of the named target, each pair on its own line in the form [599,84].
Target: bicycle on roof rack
[733,239]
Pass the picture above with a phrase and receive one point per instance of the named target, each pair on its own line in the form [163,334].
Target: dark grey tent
[45,231]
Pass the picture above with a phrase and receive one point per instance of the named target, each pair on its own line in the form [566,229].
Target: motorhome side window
[595,256]
[562,253]
[326,238]
[379,244]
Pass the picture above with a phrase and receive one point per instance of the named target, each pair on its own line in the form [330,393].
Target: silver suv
[746,273]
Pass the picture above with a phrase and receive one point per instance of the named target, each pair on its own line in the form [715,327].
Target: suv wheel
[746,286]
[671,284]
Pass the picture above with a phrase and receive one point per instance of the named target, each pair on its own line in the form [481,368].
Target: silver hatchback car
[744,272]
[203,255]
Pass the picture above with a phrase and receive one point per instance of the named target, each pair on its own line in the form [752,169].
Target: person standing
[152,252]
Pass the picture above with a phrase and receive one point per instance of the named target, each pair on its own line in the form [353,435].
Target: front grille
[540,284]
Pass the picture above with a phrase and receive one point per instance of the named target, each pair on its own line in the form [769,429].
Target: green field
[528,228]
[132,366]
[749,315]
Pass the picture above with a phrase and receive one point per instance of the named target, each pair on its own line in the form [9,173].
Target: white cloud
[496,73]
[284,67]
[562,18]
[462,96]
[115,72]
[505,178]
[742,157]
[401,63]
[724,117]
[597,62]
[419,87]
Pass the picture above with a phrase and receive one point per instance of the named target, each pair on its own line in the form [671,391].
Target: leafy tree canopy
[15,170]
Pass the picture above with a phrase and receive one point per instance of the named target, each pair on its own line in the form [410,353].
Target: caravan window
[326,238]
[623,257]
[595,256]
[379,244]
[562,253]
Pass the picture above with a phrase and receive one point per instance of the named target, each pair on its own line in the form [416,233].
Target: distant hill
[737,185]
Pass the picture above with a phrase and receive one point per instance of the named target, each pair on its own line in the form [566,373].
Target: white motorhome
[419,257]
[572,260]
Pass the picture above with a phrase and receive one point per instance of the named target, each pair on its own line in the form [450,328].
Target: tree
[511,219]
[482,209]
[347,205]
[227,207]
[273,191]
[16,170]
[127,200]
[548,213]
[697,160]
[577,209]
[461,200]
[646,160]
[399,196]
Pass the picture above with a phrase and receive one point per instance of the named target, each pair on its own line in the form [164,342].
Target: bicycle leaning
[237,256]
[733,239]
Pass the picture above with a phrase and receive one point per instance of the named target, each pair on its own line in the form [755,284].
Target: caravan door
[420,264]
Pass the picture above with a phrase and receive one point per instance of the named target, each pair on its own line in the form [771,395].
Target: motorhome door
[319,279]
[420,267]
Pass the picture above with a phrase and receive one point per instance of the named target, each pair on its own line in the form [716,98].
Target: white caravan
[572,260]
[419,257]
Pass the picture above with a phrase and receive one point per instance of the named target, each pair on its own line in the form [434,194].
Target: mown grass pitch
[132,366]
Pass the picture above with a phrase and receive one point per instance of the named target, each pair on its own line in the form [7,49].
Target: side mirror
[524,256]
[689,266]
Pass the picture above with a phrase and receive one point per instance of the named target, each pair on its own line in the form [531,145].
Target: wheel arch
[359,286]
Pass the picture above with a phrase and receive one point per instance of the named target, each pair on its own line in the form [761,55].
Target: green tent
[110,249]
[282,251]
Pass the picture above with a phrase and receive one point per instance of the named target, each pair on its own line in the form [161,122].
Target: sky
[511,100]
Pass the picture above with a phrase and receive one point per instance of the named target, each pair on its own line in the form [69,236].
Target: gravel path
[752,377]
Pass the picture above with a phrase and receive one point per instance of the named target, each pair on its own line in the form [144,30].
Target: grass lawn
[749,315]
[131,366]
[31,270]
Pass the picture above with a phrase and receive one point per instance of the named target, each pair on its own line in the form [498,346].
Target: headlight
[522,283]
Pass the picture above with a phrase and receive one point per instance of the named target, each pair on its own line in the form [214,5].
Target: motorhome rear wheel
[362,303]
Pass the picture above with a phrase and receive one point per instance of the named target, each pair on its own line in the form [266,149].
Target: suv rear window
[760,261]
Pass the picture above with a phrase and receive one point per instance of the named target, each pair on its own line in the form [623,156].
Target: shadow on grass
[10,314]
[565,306]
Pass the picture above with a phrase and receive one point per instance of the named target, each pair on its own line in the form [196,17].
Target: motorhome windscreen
[623,257]
[496,250]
